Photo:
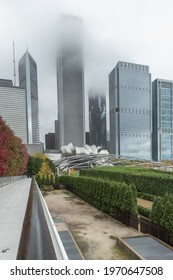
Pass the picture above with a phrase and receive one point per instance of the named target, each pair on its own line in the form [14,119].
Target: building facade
[162,104]
[28,80]
[97,120]
[70,83]
[56,135]
[34,149]
[130,110]
[50,141]
[13,108]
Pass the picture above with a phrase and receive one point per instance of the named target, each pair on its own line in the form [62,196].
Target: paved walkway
[94,232]
[13,202]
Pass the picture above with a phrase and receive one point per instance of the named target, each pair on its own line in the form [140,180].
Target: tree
[13,154]
[39,159]
[34,165]
[51,165]
[45,170]
[129,202]
[157,210]
[167,219]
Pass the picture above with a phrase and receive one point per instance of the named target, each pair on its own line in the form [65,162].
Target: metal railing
[39,239]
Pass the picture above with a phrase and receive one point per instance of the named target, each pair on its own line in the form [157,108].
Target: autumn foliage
[13,154]
[41,165]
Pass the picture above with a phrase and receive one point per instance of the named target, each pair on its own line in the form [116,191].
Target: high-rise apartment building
[97,119]
[13,108]
[130,110]
[162,112]
[28,80]
[70,83]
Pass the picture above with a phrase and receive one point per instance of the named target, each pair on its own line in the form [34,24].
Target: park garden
[115,190]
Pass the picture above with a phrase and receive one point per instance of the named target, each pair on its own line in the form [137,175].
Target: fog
[114,30]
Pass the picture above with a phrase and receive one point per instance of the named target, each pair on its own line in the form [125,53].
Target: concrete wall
[7,180]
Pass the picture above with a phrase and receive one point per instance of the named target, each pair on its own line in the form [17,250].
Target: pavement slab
[13,203]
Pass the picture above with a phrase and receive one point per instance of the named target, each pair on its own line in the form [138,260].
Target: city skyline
[137,40]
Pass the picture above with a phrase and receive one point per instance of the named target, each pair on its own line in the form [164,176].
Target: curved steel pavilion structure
[90,156]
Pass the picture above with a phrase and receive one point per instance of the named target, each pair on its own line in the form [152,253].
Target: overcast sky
[138,31]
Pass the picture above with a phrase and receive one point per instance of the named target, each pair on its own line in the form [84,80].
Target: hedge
[47,181]
[162,211]
[154,184]
[107,196]
[144,211]
[146,196]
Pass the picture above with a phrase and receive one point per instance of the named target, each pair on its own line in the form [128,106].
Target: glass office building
[130,110]
[70,83]
[162,103]
[28,81]
[97,119]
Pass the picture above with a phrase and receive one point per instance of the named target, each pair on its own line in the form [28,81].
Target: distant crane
[14,64]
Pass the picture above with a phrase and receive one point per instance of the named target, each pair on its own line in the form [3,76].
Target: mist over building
[130,110]
[13,108]
[70,82]
[28,81]
[97,119]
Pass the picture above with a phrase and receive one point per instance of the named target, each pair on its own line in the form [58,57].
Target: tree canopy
[41,165]
[13,154]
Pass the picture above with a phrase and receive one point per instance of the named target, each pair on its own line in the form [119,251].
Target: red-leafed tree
[13,154]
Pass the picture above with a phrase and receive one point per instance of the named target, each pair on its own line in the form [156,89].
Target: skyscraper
[50,141]
[97,119]
[162,138]
[70,83]
[13,108]
[56,135]
[130,110]
[28,80]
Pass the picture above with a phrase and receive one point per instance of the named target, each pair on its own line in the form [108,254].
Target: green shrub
[105,195]
[146,196]
[157,210]
[144,211]
[154,183]
[129,201]
[45,181]
[38,179]
[162,211]
[167,218]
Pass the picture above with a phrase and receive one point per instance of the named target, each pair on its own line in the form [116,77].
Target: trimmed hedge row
[153,185]
[46,181]
[144,211]
[162,211]
[146,196]
[137,170]
[107,196]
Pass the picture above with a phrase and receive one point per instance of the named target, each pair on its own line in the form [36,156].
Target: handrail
[39,239]
[57,243]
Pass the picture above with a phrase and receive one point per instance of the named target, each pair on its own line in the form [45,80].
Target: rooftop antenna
[14,64]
